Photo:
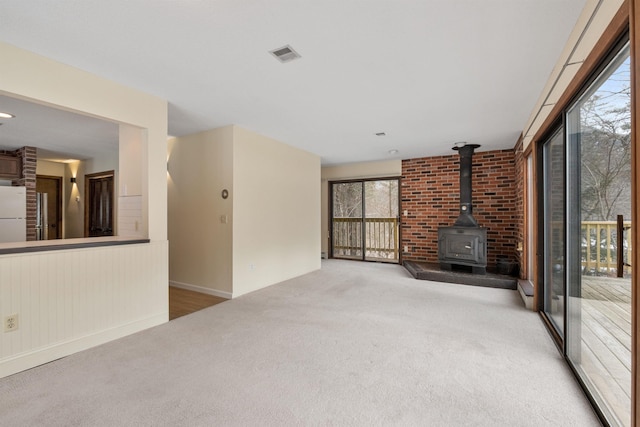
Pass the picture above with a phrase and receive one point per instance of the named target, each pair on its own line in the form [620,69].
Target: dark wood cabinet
[9,167]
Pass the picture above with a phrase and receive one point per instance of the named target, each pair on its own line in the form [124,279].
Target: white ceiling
[426,72]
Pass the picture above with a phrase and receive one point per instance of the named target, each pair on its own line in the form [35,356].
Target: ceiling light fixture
[4,115]
[381,134]
[394,151]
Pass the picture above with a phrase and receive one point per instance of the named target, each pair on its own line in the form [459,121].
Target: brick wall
[430,194]
[520,202]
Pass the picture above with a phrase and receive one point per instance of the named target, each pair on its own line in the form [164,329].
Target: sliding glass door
[365,220]
[586,212]
[554,231]
[598,243]
[347,220]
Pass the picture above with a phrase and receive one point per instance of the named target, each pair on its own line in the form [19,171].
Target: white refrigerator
[13,214]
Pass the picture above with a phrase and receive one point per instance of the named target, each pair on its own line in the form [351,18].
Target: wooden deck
[606,341]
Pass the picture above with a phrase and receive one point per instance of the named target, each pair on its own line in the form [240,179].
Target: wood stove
[464,243]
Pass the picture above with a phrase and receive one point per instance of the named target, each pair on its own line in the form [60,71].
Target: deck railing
[600,242]
[381,238]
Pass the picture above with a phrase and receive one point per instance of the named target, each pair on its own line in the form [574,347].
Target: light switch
[223,219]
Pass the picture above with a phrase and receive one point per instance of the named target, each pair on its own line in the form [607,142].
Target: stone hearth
[432,271]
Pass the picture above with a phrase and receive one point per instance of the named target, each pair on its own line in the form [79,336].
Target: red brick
[497,202]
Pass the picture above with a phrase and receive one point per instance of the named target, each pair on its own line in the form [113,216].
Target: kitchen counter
[65,244]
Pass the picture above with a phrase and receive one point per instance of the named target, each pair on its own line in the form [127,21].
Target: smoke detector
[285,54]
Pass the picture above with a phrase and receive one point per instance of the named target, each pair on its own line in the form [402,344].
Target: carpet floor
[351,344]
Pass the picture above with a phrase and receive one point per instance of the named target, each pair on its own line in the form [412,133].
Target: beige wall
[129,174]
[74,201]
[276,208]
[45,167]
[130,155]
[390,168]
[47,282]
[200,243]
[131,205]
[267,229]
[35,78]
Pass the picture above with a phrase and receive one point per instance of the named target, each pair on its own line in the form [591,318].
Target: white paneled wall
[70,300]
[130,216]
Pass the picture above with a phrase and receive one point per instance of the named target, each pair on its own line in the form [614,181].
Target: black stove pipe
[466,218]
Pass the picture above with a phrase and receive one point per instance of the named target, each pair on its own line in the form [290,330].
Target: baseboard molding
[37,357]
[201,289]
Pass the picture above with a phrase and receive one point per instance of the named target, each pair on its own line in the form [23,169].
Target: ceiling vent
[285,54]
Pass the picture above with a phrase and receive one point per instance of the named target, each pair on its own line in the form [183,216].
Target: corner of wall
[276,211]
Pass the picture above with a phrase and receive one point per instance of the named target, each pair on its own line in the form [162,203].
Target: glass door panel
[365,220]
[347,220]
[599,246]
[554,230]
[381,224]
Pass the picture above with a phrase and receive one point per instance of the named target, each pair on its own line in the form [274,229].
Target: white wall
[389,168]
[200,243]
[70,300]
[63,297]
[594,19]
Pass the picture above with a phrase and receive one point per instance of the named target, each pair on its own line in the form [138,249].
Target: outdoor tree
[605,147]
[605,161]
[373,218]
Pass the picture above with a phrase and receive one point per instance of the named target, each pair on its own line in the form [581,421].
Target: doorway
[365,224]
[50,218]
[98,212]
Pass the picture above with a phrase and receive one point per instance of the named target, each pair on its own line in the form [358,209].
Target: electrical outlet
[11,323]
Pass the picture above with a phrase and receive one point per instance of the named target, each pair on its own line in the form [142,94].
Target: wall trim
[634,37]
[201,289]
[23,361]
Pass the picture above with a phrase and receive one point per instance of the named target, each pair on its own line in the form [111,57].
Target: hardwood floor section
[182,302]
